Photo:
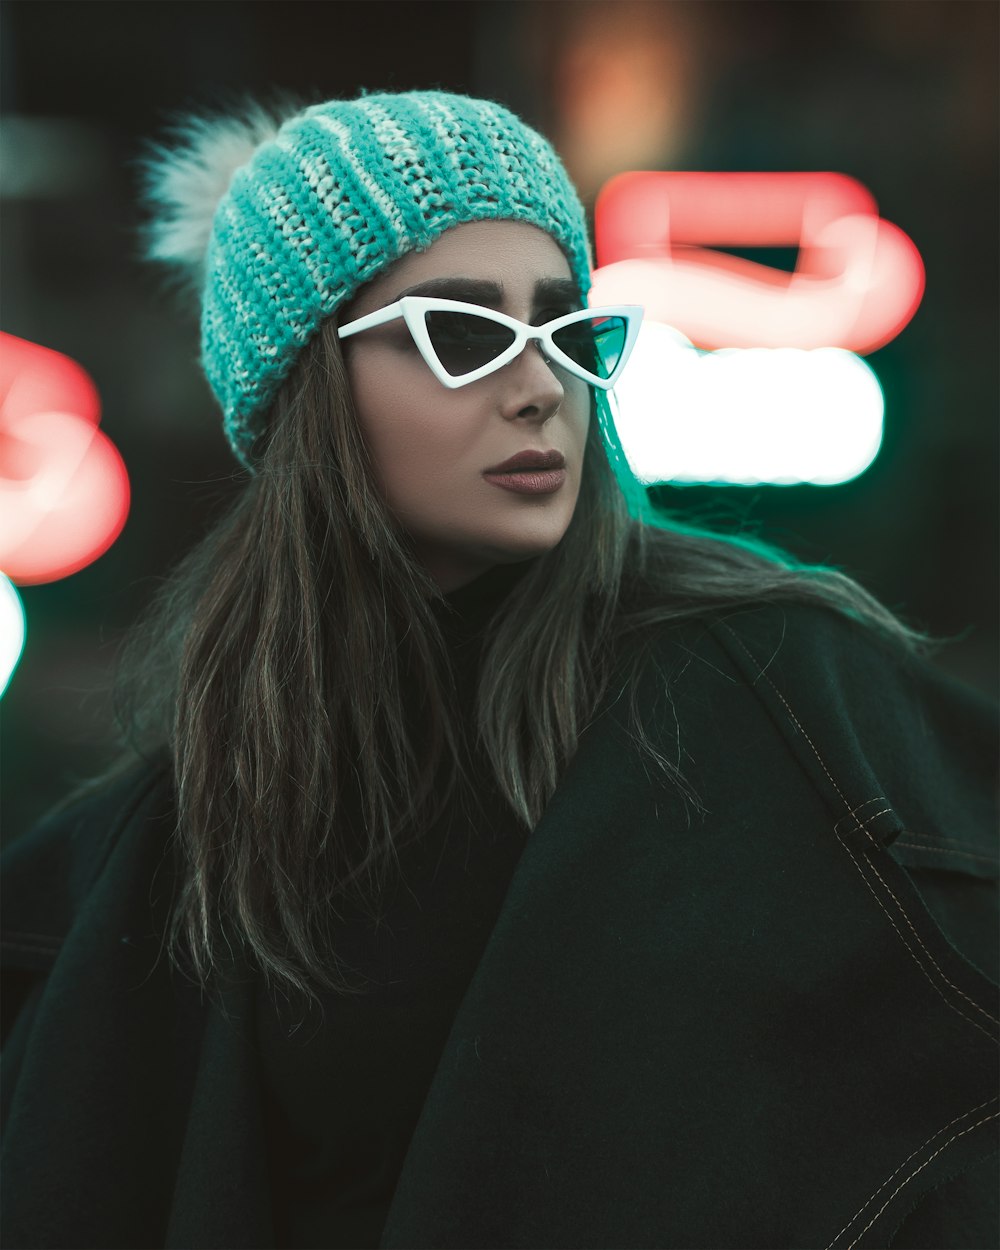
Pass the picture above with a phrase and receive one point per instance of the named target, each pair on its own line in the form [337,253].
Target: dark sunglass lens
[595,343]
[464,342]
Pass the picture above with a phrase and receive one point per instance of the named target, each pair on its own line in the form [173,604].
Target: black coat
[771,1026]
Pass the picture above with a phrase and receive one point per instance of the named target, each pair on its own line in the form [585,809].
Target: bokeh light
[745,416]
[12,630]
[64,488]
[857,282]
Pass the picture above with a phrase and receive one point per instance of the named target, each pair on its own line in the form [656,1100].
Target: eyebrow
[490,294]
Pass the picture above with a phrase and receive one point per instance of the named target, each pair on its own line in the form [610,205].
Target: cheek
[405,418]
[580,406]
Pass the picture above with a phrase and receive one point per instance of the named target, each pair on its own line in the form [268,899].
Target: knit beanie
[276,223]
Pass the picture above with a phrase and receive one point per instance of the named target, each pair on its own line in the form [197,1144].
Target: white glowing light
[11,630]
[746,415]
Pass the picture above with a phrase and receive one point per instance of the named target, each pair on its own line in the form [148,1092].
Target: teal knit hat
[277,223]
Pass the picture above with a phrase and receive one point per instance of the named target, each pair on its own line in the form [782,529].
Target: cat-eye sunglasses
[464,342]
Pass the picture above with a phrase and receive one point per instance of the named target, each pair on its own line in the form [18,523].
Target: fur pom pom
[183,178]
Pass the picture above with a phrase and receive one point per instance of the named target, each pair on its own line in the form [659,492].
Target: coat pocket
[956,880]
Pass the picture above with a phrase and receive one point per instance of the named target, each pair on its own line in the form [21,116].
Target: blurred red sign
[64,489]
[857,282]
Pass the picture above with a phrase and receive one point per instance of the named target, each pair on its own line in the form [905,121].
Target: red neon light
[858,281]
[64,489]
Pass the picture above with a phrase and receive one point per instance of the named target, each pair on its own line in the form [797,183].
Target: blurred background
[900,95]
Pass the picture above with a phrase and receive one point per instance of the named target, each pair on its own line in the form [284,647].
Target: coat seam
[862,826]
[912,953]
[853,812]
[945,850]
[922,1146]
[940,837]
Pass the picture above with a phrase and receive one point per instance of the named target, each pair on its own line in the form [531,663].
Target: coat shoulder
[897,743]
[890,739]
[902,755]
[47,871]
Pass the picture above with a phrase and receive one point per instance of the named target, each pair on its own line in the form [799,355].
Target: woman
[383,931]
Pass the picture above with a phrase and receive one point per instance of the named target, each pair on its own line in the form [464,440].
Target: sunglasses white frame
[413,307]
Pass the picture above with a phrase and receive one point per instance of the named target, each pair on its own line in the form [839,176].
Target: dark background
[900,94]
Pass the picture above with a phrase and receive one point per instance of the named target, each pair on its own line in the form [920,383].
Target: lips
[528,461]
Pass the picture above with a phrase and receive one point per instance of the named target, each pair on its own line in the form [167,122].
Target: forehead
[512,254]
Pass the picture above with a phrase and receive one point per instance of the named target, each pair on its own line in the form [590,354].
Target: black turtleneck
[474,603]
[342,1094]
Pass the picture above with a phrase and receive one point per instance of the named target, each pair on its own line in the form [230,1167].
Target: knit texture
[342,190]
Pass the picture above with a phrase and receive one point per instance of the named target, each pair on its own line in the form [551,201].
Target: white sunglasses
[464,342]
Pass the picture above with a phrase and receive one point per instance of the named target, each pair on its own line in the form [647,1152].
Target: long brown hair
[269,662]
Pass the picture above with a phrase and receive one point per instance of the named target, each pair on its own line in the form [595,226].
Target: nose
[533,383]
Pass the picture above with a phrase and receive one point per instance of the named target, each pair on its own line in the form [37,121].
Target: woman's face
[431,445]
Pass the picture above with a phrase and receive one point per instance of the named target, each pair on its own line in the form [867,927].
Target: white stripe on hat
[440,118]
[382,201]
